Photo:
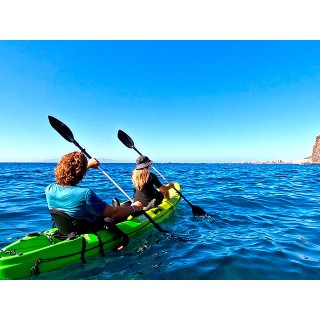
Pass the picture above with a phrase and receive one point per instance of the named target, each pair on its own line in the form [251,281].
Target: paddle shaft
[88,155]
[144,213]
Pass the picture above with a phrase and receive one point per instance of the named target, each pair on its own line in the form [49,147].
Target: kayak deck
[41,251]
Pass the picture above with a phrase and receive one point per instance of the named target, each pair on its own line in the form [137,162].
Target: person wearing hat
[147,185]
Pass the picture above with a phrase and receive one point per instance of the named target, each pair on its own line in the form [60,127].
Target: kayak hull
[42,251]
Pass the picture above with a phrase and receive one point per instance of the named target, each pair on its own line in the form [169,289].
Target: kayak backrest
[70,227]
[152,204]
[62,221]
[67,224]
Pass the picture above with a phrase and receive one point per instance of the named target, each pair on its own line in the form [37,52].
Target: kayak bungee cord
[34,271]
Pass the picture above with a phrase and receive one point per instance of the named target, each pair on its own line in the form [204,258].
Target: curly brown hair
[71,169]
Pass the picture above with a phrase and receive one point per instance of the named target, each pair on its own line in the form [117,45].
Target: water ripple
[263,222]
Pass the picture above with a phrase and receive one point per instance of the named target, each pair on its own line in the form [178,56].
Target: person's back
[146,182]
[148,192]
[79,202]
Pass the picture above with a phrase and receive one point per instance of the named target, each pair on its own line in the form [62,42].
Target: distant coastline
[102,160]
[313,159]
[307,160]
[302,161]
[276,162]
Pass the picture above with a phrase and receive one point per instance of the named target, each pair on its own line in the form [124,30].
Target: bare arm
[165,189]
[121,212]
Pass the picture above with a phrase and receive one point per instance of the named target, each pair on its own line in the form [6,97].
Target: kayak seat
[67,224]
[116,203]
[153,203]
[70,227]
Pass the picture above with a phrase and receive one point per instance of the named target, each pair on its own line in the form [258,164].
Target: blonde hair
[71,169]
[140,177]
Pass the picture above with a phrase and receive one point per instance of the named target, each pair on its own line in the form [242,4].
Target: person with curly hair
[147,185]
[81,202]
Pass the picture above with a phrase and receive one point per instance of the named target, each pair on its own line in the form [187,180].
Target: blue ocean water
[263,222]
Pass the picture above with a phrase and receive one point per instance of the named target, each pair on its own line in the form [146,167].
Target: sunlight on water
[264,222]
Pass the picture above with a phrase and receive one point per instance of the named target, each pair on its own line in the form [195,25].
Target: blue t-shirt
[78,202]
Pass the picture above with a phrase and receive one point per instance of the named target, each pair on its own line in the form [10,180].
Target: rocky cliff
[315,158]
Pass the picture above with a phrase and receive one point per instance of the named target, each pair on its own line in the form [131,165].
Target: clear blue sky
[180,101]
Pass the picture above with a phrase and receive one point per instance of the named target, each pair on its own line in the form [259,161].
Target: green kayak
[42,252]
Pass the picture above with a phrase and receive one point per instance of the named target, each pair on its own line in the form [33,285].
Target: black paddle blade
[197,211]
[61,128]
[125,139]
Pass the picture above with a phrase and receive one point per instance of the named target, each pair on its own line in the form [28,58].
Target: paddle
[128,142]
[66,133]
